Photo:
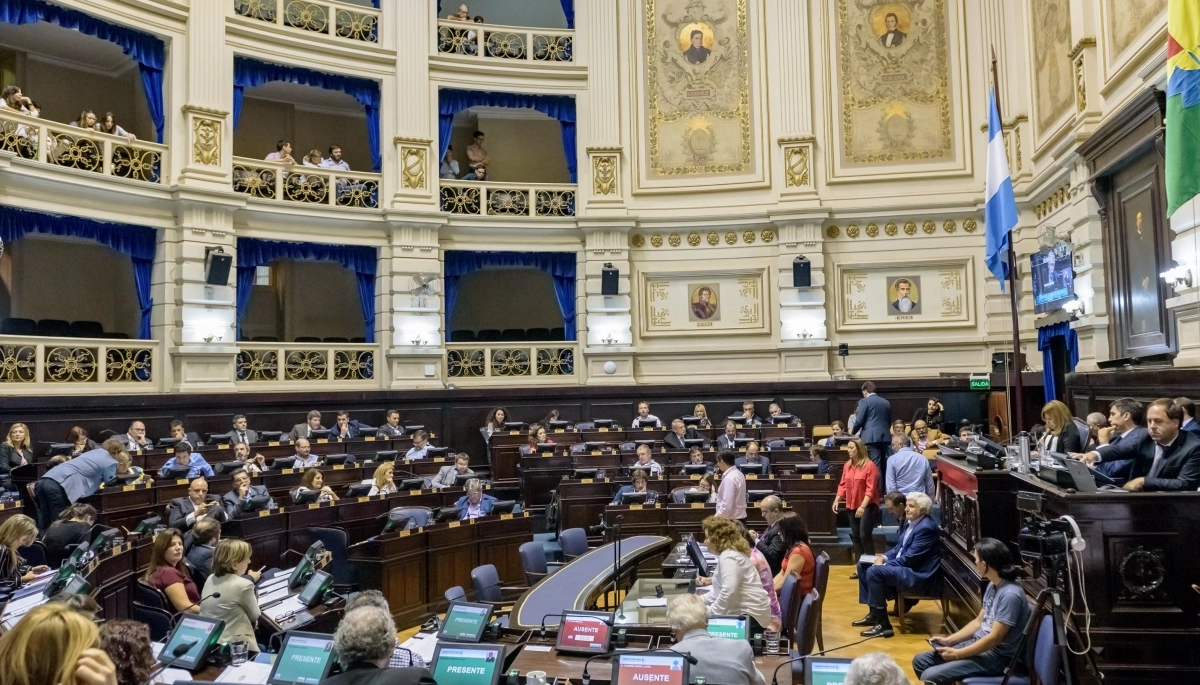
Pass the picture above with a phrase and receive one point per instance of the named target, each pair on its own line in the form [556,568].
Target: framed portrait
[904,295]
[696,42]
[705,301]
[919,293]
[890,24]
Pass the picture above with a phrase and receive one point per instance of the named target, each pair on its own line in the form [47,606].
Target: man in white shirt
[908,470]
[304,456]
[645,462]
[731,495]
[420,446]
[449,167]
[283,153]
[644,418]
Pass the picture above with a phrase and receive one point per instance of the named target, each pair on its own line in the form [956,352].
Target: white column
[412,125]
[803,326]
[604,168]
[203,145]
[606,329]
[410,325]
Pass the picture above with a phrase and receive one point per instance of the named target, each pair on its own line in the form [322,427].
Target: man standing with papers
[731,495]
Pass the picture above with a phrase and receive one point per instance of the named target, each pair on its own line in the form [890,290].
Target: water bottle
[1023,445]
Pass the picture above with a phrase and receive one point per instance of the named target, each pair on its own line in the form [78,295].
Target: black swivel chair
[18,326]
[345,574]
[158,620]
[149,596]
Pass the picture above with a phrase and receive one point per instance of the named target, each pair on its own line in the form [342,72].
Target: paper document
[156,647]
[170,675]
[867,559]
[291,605]
[250,673]
[274,595]
[422,644]
[652,601]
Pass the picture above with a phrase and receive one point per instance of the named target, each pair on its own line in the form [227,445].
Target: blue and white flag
[1000,211]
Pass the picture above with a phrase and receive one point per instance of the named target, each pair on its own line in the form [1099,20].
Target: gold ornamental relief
[969,225]
[730,238]
[948,225]
[699,112]
[713,238]
[604,175]
[693,239]
[894,74]
[413,163]
[832,232]
[637,241]
[890,228]
[748,237]
[910,228]
[206,141]
[656,240]
[795,162]
[675,240]
[929,227]
[852,231]
[768,236]
[872,229]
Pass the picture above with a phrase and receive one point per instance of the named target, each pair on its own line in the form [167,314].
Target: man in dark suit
[392,428]
[697,54]
[754,458]
[894,36]
[679,433]
[304,430]
[1190,424]
[1167,459]
[872,423]
[912,565]
[1124,424]
[245,499]
[728,439]
[364,642]
[770,543]
[205,537]
[184,512]
[344,429]
[241,433]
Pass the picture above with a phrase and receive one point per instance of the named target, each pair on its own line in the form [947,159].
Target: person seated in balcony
[449,167]
[283,153]
[335,161]
[108,124]
[463,14]
[478,173]
[344,429]
[12,98]
[477,154]
[313,158]
[87,119]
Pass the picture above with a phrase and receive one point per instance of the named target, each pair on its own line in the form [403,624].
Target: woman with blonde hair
[314,480]
[736,585]
[383,483]
[237,604]
[1062,435]
[54,645]
[168,573]
[15,450]
[859,488]
[127,473]
[17,532]
[701,413]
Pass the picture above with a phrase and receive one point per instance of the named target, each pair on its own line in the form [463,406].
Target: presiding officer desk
[1140,562]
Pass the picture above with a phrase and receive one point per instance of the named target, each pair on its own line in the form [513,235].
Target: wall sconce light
[609,340]
[419,341]
[1180,277]
[804,334]
[1074,307]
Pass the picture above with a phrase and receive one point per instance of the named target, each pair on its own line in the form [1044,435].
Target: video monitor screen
[200,632]
[584,632]
[819,670]
[1053,278]
[465,622]
[651,667]
[305,659]
[732,627]
[468,665]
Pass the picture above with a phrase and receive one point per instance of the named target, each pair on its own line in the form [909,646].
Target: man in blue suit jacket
[873,423]
[475,503]
[912,565]
[1124,418]
[73,480]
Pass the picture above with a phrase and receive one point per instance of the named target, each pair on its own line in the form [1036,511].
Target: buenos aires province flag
[1183,102]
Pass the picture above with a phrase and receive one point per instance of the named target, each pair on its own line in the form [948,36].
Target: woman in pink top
[859,489]
[764,574]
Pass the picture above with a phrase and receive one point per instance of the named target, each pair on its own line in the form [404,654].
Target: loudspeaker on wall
[216,267]
[801,272]
[609,278]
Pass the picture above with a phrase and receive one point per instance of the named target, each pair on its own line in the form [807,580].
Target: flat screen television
[732,627]
[584,632]
[1053,278]
[304,659]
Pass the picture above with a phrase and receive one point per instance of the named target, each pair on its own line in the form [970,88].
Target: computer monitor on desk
[667,668]
[304,659]
[759,469]
[465,622]
[434,452]
[603,423]
[173,473]
[284,463]
[584,632]
[461,479]
[742,442]
[823,670]
[468,664]
[319,433]
[514,425]
[305,496]
[693,442]
[696,556]
[546,447]
[692,421]
[696,469]
[557,424]
[503,506]
[697,497]
[336,459]
[199,631]
[781,419]
[161,443]
[359,489]
[596,445]
[217,438]
[634,497]
[270,436]
[411,484]
[753,496]
[579,474]
[386,455]
[794,441]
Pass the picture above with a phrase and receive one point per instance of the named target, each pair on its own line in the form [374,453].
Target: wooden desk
[10,509]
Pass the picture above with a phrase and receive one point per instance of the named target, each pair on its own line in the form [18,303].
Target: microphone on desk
[775,675]
[587,679]
[542,631]
[175,616]
[178,653]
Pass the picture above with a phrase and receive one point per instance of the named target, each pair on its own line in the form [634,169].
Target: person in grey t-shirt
[985,645]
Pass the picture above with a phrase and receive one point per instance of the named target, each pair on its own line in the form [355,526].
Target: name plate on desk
[546,454]
[514,432]
[560,430]
[339,467]
[127,488]
[222,447]
[414,492]
[506,517]
[322,441]
[602,430]
[456,524]
[405,533]
[314,505]
[752,476]
[587,480]
[793,448]
[170,450]
[369,438]
[697,505]
[288,471]
[364,499]
[264,512]
[596,453]
[647,428]
[696,476]
[273,443]
[806,476]
[181,481]
[438,460]
[635,507]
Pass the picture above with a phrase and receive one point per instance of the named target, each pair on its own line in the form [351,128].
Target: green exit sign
[981,381]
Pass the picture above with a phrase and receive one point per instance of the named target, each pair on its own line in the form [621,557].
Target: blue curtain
[560,266]
[252,253]
[1045,334]
[248,73]
[139,242]
[569,12]
[451,101]
[144,48]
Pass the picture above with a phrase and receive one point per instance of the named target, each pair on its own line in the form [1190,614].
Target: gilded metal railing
[482,41]
[305,184]
[305,362]
[80,148]
[74,361]
[337,19]
[510,360]
[492,198]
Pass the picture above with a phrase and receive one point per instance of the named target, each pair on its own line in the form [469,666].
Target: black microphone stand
[178,653]
[617,568]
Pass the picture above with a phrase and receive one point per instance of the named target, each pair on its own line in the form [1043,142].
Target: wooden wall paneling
[500,542]
[453,553]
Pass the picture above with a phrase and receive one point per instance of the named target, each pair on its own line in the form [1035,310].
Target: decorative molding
[792,140]
[1080,45]
[605,148]
[412,165]
[796,165]
[206,141]
[197,109]
[399,140]
[604,174]
[1053,201]
[891,228]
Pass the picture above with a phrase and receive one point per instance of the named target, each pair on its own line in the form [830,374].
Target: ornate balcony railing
[492,198]
[80,148]
[481,41]
[290,362]
[305,184]
[510,360]
[337,19]
[37,362]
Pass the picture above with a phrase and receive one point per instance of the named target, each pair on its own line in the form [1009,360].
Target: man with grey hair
[907,469]
[719,660]
[475,503]
[1095,422]
[912,566]
[876,668]
[770,543]
[364,641]
[401,657]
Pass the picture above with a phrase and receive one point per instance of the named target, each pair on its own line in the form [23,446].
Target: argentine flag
[1000,211]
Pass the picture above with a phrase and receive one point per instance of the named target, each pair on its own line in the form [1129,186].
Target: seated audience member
[1166,458]
[771,543]
[185,512]
[911,566]
[205,536]
[180,433]
[382,483]
[644,418]
[127,644]
[907,470]
[168,573]
[986,645]
[283,153]
[537,436]
[16,450]
[240,501]
[477,154]
[645,462]
[764,576]
[817,453]
[365,642]
[447,476]
[240,432]
[475,503]
[1125,424]
[718,660]
[12,98]
[898,428]
[420,446]
[304,430]
[401,657]
[126,473]
[185,458]
[449,165]
[304,456]
[700,412]
[79,438]
[639,484]
[798,560]
[344,429]
[312,159]
[71,481]
[736,586]
[335,161]
[229,595]
[775,410]
[66,640]
[1096,422]
[876,668]
[255,465]
[923,437]
[839,430]
[135,439]
[932,414]
[1189,416]
[74,525]
[108,124]
[753,457]
[679,433]
[461,15]
[1061,433]
[859,489]
[87,119]
[314,481]
[16,532]
[391,427]
[728,439]
[478,173]
[705,484]
[749,418]
[696,456]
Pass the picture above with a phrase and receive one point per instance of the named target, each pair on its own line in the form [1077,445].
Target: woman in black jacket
[17,532]
[1062,435]
[933,414]
[74,525]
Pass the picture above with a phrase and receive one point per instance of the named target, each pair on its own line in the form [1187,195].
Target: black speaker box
[801,272]
[608,280]
[1000,358]
[216,268]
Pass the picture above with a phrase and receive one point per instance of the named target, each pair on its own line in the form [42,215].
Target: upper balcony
[488,43]
[339,20]
[69,146]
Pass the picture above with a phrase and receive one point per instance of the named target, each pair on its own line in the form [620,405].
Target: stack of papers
[251,673]
[291,605]
[273,594]
[652,601]
[171,675]
[422,644]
